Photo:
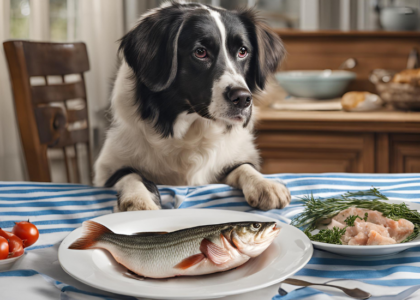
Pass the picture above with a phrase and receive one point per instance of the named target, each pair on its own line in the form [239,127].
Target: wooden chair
[44,116]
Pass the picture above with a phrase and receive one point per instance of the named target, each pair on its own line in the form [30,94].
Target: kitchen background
[302,24]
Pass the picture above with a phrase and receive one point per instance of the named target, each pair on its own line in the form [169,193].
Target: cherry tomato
[27,232]
[15,243]
[4,248]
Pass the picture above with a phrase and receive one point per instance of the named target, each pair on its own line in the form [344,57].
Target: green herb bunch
[351,219]
[318,210]
[330,236]
[333,236]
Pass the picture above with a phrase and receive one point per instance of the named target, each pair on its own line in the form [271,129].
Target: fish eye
[256,225]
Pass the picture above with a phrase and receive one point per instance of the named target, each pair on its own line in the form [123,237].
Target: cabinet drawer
[317,152]
[404,153]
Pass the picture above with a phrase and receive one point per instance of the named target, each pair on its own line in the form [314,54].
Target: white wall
[11,167]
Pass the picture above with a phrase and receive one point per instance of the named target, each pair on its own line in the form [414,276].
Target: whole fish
[192,251]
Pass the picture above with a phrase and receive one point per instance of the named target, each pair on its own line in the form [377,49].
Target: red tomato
[15,243]
[27,232]
[4,248]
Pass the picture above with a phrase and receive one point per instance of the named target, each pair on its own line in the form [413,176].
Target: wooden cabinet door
[404,153]
[315,152]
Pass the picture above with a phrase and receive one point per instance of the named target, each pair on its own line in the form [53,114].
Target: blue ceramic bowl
[325,84]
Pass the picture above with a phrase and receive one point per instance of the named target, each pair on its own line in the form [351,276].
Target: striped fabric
[57,209]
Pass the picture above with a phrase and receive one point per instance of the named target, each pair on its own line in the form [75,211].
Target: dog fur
[174,120]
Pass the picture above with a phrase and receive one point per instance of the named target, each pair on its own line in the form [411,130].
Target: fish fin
[92,231]
[144,234]
[215,253]
[190,261]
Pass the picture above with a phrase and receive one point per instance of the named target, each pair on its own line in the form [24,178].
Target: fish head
[252,238]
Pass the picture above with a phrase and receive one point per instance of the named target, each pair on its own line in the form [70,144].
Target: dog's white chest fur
[196,153]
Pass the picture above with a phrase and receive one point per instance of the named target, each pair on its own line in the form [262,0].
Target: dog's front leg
[135,192]
[259,192]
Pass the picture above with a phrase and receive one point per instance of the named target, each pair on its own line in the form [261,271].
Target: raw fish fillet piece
[400,230]
[374,216]
[361,226]
[359,239]
[366,227]
[351,211]
[376,239]
[334,223]
[384,228]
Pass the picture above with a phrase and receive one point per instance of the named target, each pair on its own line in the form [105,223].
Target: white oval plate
[370,251]
[290,252]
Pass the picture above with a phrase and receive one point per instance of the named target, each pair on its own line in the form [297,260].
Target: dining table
[58,208]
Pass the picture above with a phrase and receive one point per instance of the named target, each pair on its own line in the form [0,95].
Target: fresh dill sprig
[318,210]
[330,236]
[350,219]
[373,192]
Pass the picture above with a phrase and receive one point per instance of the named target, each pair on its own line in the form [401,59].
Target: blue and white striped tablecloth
[57,209]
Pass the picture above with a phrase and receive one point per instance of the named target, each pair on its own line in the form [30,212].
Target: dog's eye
[243,52]
[200,53]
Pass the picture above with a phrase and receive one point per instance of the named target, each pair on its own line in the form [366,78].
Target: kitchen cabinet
[336,141]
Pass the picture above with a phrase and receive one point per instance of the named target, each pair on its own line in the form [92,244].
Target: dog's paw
[135,201]
[267,194]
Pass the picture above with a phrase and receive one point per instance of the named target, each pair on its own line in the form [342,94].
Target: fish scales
[164,240]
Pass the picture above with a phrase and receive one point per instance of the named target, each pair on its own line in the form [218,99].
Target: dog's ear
[150,48]
[268,49]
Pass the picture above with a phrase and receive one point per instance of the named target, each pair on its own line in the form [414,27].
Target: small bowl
[326,84]
[399,18]
[6,264]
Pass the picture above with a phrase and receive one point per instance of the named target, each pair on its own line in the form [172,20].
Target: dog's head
[199,59]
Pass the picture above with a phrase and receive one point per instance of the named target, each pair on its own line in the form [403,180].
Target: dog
[182,105]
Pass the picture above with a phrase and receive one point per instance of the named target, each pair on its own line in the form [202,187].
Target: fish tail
[92,233]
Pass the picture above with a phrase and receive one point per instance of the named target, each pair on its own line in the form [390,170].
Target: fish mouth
[274,230]
[269,234]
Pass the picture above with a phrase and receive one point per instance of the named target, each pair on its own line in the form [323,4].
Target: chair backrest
[45,114]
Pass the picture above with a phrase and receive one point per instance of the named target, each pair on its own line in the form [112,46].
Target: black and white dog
[182,105]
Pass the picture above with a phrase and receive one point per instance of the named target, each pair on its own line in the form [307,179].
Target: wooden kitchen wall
[320,50]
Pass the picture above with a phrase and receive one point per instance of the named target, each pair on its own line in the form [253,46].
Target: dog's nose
[240,97]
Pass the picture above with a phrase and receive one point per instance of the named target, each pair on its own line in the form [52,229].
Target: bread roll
[411,76]
[360,101]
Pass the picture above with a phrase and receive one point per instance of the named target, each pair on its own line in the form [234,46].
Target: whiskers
[202,110]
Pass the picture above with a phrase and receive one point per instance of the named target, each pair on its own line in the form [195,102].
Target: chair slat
[49,59]
[75,115]
[66,163]
[58,92]
[75,163]
[79,135]
[71,137]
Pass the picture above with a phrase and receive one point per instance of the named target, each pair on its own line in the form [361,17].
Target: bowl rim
[314,75]
[11,259]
